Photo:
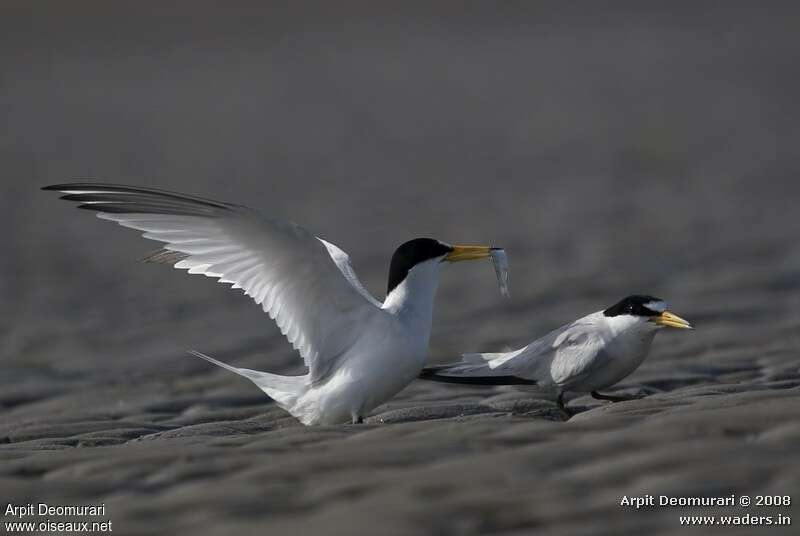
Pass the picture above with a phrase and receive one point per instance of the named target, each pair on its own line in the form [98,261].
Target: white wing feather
[307,285]
[563,355]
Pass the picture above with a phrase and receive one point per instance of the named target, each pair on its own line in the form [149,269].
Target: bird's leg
[561,405]
[610,398]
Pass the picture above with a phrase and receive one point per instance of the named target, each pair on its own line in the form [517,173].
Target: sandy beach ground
[610,150]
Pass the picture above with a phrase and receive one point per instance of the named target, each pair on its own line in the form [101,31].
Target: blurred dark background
[611,148]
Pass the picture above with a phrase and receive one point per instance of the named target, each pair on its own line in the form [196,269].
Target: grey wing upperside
[557,358]
[304,283]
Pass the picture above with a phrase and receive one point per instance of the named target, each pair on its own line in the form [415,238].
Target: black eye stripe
[633,305]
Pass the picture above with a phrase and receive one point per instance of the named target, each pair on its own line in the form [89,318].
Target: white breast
[621,355]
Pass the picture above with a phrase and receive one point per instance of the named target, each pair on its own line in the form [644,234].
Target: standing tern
[589,354]
[359,352]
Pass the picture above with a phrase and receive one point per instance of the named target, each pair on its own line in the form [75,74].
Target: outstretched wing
[304,283]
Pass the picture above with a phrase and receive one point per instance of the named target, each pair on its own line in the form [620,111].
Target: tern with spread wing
[359,352]
[589,354]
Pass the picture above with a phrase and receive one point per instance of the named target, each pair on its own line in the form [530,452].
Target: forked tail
[285,390]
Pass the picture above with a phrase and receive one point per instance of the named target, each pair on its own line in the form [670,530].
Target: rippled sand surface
[609,151]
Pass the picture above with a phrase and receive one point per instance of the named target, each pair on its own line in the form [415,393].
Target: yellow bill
[468,253]
[672,321]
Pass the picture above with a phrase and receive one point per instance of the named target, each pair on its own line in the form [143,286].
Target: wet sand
[610,152]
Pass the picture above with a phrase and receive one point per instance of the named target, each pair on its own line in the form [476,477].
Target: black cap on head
[637,305]
[412,253]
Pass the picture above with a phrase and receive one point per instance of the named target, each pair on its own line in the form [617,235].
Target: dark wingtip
[92,207]
[72,197]
[74,185]
[431,374]
[138,200]
[66,186]
[427,372]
